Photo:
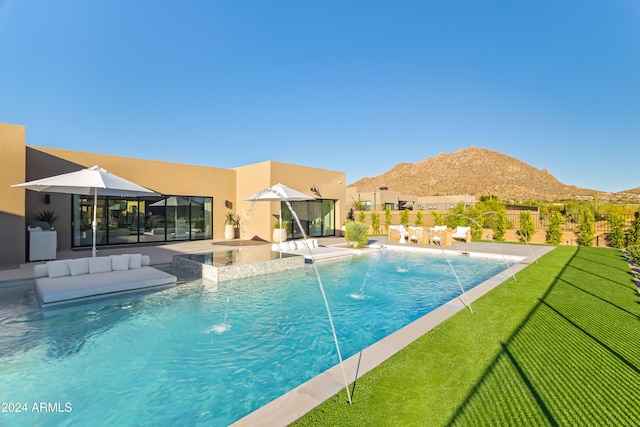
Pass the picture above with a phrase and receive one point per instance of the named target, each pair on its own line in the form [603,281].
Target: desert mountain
[474,171]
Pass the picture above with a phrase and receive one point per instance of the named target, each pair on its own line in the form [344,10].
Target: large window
[122,220]
[317,218]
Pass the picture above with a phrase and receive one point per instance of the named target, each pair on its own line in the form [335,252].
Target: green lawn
[561,346]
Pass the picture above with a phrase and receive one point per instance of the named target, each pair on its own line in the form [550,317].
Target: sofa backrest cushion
[79,266]
[40,270]
[135,261]
[58,268]
[119,262]
[101,264]
[439,227]
[462,230]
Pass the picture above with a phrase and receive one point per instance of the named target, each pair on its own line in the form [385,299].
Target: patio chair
[462,233]
[440,235]
[398,233]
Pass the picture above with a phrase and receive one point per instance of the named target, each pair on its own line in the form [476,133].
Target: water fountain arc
[492,240]
[324,297]
[281,193]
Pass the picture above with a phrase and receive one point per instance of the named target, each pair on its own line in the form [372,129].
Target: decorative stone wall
[236,271]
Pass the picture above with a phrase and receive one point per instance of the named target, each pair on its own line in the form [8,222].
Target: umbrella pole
[94,223]
[280,218]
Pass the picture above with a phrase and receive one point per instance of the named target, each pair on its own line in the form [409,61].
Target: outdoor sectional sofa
[71,280]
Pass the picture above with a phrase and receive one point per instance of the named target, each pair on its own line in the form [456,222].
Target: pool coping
[294,404]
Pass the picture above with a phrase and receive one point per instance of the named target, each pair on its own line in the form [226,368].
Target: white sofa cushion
[99,265]
[119,262]
[51,290]
[300,245]
[40,270]
[135,261]
[79,266]
[58,268]
[462,230]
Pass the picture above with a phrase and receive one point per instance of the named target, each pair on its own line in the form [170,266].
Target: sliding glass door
[317,218]
[140,220]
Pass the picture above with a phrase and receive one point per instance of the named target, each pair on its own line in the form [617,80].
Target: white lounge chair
[398,230]
[440,235]
[462,233]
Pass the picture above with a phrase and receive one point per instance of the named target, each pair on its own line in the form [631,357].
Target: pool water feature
[236,263]
[158,359]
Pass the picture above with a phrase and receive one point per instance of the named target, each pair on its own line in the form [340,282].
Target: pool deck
[294,404]
[163,253]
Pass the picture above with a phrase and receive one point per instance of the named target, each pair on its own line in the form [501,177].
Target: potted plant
[280,231]
[231,223]
[47,216]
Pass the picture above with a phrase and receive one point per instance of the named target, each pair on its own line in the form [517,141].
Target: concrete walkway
[163,253]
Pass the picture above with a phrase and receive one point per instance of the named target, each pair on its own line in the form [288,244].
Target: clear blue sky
[356,86]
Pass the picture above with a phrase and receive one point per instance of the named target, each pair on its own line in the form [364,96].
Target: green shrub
[634,231]
[527,227]
[438,218]
[456,216]
[350,215]
[362,217]
[419,219]
[586,227]
[404,217]
[357,233]
[634,252]
[501,223]
[476,221]
[616,230]
[554,232]
[387,218]
[375,222]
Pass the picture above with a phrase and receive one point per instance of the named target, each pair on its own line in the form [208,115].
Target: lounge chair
[440,235]
[462,233]
[418,236]
[398,233]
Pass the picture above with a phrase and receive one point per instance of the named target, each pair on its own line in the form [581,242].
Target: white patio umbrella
[279,193]
[91,181]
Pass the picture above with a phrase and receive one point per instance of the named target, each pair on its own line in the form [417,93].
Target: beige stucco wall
[257,218]
[162,177]
[12,200]
[226,186]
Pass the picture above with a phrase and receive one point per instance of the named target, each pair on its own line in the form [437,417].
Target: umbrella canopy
[278,193]
[91,181]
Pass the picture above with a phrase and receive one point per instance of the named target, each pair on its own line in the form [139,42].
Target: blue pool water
[170,358]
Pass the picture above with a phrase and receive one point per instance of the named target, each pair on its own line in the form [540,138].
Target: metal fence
[541,221]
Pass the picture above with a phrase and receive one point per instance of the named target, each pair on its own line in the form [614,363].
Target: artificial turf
[559,347]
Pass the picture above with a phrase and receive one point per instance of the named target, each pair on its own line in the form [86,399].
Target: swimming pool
[208,354]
